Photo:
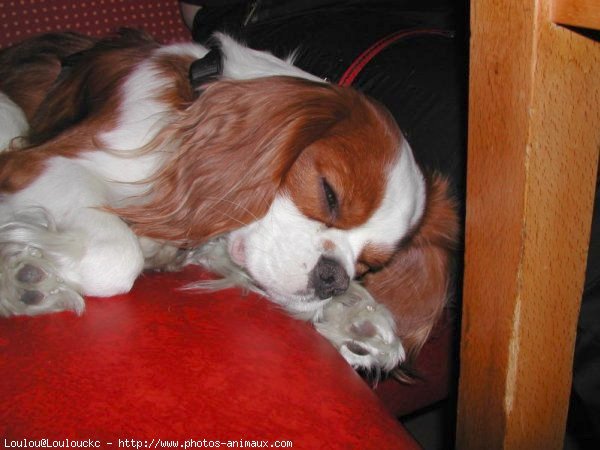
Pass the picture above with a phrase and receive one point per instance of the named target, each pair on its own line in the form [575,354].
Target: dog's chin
[305,306]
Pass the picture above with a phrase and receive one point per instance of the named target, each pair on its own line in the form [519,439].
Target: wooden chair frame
[534,135]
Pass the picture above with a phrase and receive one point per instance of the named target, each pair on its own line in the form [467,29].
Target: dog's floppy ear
[415,283]
[226,155]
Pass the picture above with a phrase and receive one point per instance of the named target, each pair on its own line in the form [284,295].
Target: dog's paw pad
[32,298]
[364,329]
[30,285]
[30,274]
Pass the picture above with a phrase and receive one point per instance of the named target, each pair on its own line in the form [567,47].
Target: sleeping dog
[117,160]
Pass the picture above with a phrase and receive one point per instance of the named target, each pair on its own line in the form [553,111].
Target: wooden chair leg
[534,135]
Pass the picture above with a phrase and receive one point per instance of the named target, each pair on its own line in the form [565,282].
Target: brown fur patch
[241,142]
[414,284]
[375,257]
[20,167]
[176,68]
[328,246]
[29,69]
[89,88]
[353,157]
[82,102]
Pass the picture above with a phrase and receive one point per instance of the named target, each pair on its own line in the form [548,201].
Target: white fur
[141,117]
[242,63]
[401,208]
[71,195]
[12,121]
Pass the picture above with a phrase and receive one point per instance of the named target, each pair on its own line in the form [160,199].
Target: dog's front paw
[29,284]
[362,330]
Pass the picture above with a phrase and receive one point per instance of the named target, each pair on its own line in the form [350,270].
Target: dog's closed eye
[331,199]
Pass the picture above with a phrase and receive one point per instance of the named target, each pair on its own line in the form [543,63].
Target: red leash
[365,57]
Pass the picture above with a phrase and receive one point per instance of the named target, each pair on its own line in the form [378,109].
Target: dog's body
[269,175]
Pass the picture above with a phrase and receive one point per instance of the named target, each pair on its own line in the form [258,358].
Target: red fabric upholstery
[24,18]
[162,363]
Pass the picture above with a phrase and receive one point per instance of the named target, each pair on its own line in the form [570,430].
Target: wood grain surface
[534,135]
[579,13]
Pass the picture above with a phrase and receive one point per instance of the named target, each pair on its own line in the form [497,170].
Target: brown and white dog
[296,188]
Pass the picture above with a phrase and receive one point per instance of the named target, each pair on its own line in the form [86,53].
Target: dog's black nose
[328,278]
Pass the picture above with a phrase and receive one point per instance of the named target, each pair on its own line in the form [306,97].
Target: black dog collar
[207,68]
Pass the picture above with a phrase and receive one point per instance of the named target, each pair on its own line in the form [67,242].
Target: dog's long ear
[415,284]
[227,154]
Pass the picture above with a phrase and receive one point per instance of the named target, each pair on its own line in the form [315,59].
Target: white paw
[30,286]
[362,330]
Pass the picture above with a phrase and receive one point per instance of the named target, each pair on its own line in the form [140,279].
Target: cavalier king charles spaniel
[116,161]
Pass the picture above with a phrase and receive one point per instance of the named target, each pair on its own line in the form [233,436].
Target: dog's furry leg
[47,267]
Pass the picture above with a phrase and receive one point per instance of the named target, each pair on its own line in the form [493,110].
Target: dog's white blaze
[400,210]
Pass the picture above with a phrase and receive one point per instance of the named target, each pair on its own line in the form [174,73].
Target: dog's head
[342,206]
[314,184]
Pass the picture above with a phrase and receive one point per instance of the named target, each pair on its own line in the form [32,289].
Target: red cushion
[162,363]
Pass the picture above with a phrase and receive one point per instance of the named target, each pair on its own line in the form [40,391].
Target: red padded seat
[164,363]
